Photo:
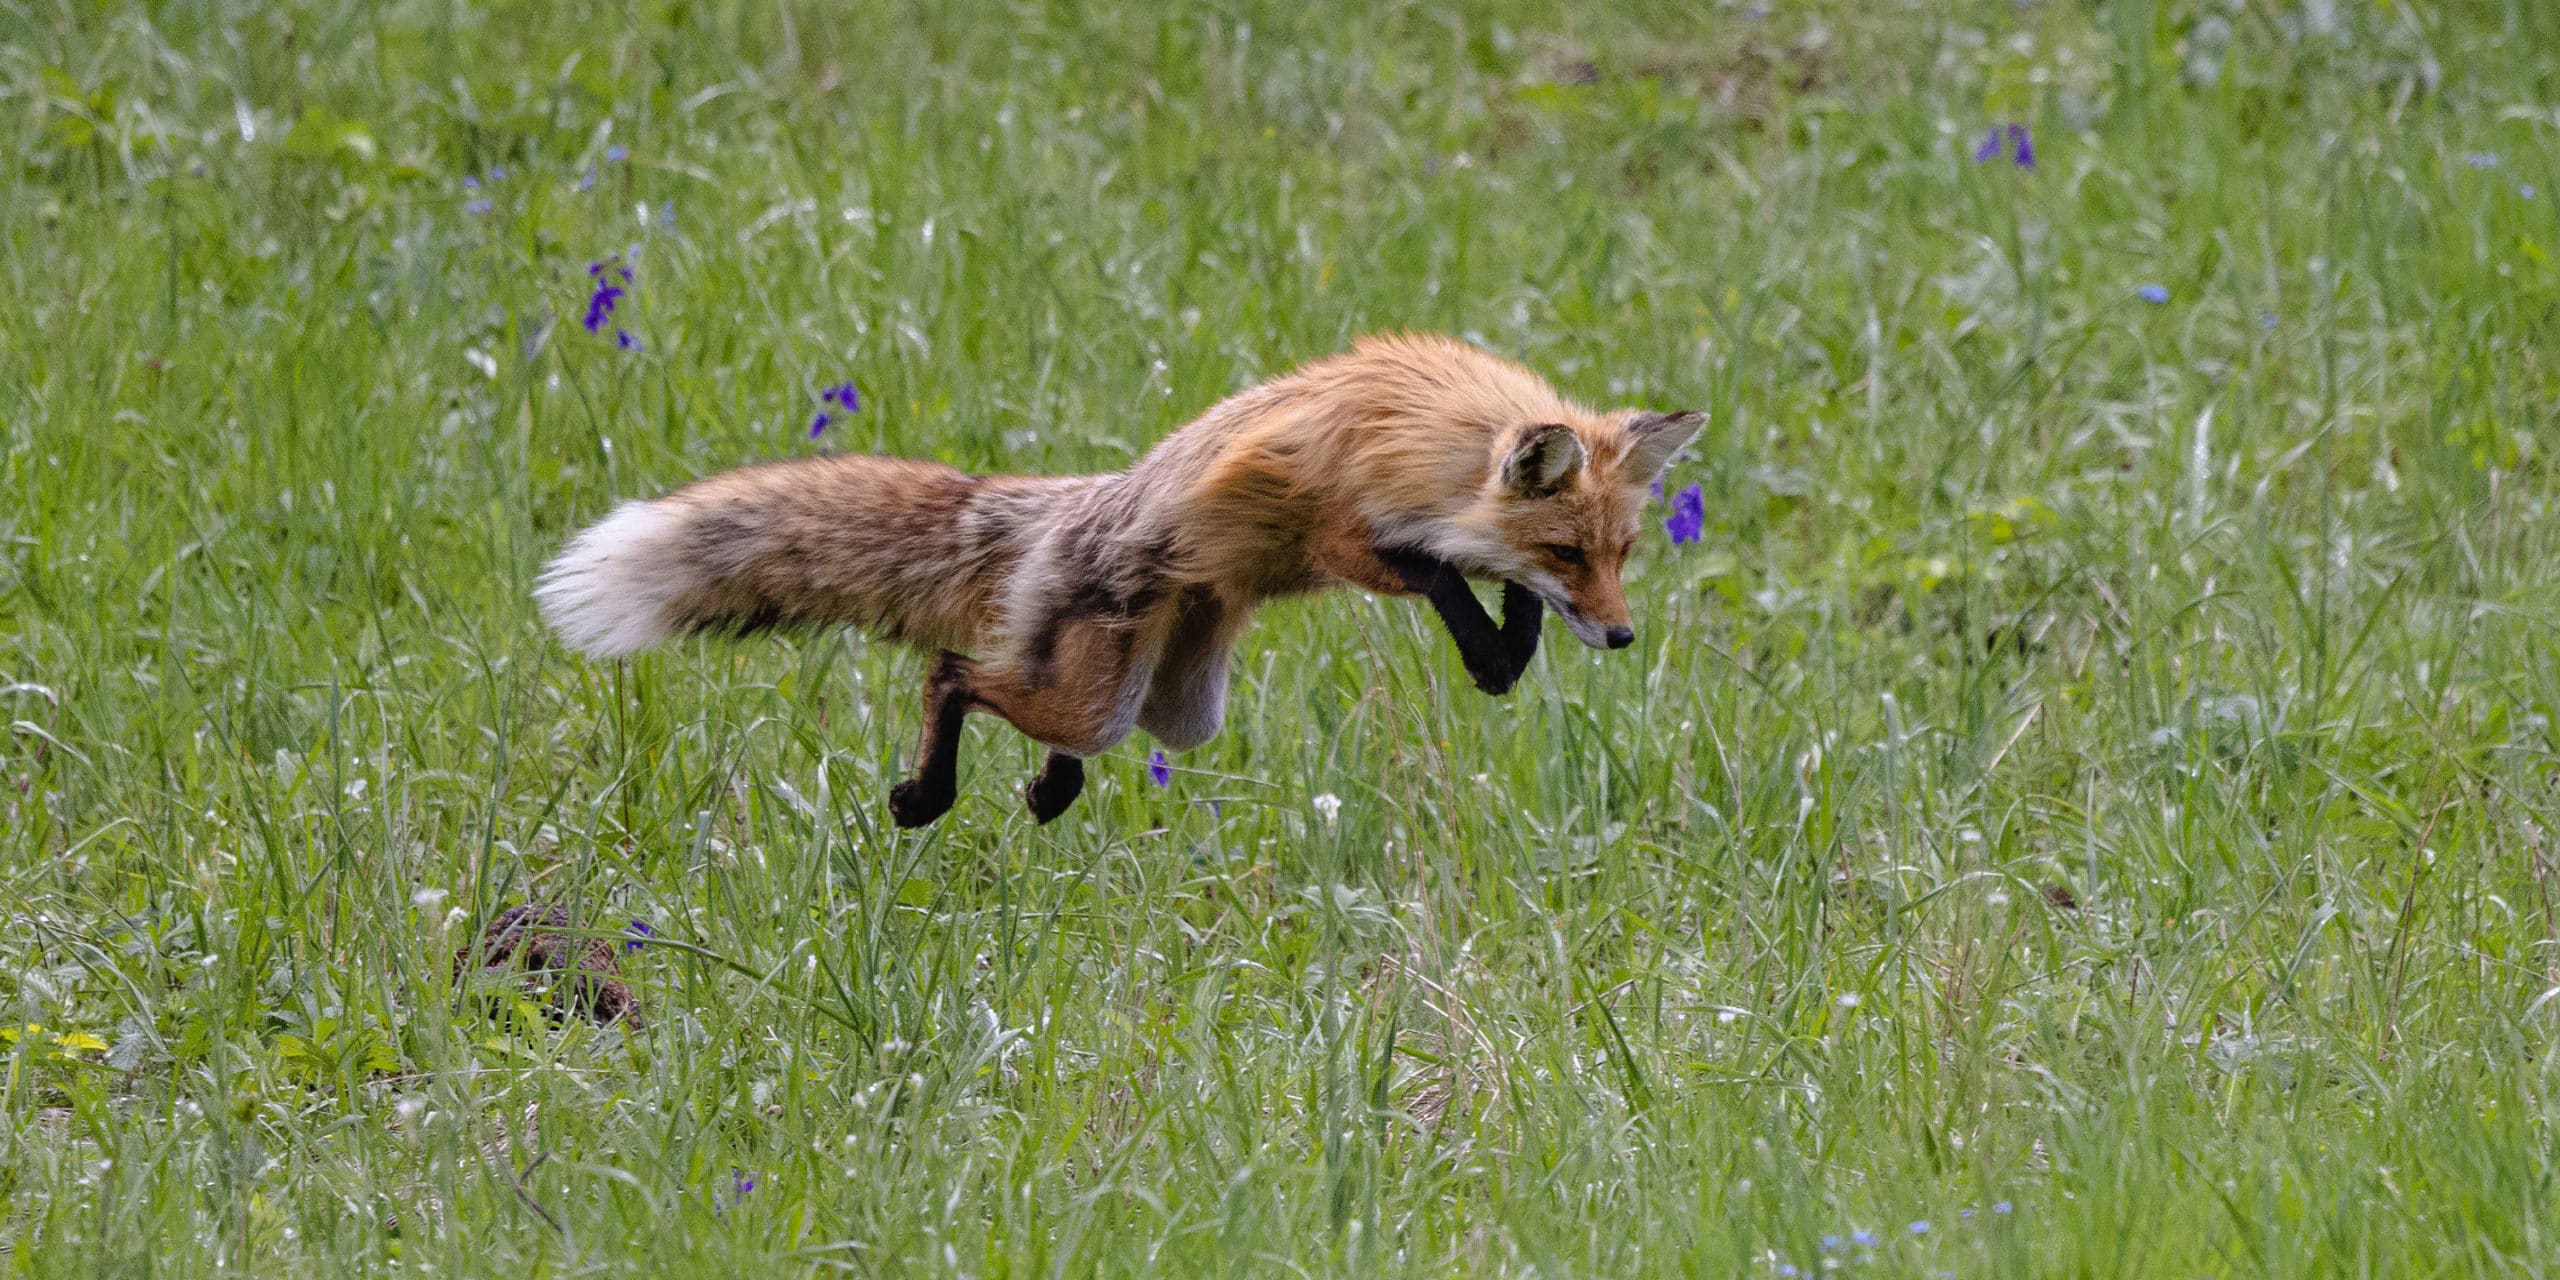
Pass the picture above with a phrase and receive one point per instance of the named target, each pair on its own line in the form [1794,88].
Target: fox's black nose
[1620,637]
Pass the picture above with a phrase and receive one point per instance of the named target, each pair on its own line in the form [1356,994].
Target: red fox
[1093,605]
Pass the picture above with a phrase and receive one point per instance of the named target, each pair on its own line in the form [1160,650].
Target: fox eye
[1563,554]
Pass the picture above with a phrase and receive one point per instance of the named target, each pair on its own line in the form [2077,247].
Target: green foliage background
[2099,762]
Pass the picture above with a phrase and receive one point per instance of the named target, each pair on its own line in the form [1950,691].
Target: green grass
[2100,760]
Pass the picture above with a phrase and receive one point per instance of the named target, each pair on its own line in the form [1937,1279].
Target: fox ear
[1543,462]
[1656,437]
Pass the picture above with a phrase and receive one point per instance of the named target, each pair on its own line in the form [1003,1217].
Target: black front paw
[918,801]
[1492,672]
[1522,613]
[1498,665]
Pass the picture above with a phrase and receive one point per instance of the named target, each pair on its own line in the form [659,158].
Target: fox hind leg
[1055,787]
[928,793]
[1089,705]
[1077,687]
[1082,700]
[1187,698]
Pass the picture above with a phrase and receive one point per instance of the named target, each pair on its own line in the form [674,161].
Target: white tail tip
[607,592]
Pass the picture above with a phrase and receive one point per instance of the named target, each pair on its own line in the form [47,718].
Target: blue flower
[2266,320]
[1688,521]
[2481,159]
[1788,1269]
[639,935]
[2155,294]
[477,206]
[622,338]
[1920,1228]
[1966,1214]
[498,174]
[1830,1243]
[2000,1207]
[843,395]
[470,182]
[610,275]
[1863,1239]
[1158,769]
[2526,191]
[2010,138]
[617,153]
[740,1185]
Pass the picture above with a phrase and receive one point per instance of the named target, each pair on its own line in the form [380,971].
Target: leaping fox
[1098,604]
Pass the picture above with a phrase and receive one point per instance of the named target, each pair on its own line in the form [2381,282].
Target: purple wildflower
[2001,1207]
[477,206]
[470,182]
[740,1185]
[1159,769]
[610,275]
[2011,138]
[638,935]
[2155,294]
[1657,488]
[614,154]
[1830,1243]
[1688,522]
[2526,191]
[1920,1228]
[1863,1239]
[2481,159]
[622,338]
[843,396]
[1965,1214]
[498,174]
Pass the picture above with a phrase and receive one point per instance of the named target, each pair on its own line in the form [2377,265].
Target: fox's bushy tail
[909,551]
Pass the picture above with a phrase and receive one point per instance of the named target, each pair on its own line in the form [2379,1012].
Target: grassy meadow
[2088,804]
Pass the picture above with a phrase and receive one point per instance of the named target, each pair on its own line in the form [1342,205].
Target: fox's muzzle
[1599,635]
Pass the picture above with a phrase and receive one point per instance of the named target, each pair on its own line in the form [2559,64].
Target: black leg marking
[1055,787]
[1522,612]
[1494,657]
[928,795]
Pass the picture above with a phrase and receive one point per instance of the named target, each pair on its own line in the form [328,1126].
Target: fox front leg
[1494,656]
